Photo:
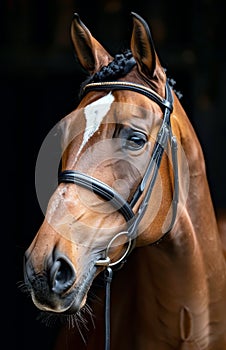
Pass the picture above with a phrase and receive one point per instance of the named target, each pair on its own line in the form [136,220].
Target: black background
[39,84]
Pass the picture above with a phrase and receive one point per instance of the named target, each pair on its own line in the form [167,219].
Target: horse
[129,255]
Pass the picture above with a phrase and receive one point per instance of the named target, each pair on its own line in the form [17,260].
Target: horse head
[118,151]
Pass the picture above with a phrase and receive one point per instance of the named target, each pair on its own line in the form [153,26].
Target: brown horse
[132,198]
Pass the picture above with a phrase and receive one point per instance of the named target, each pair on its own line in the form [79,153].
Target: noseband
[147,183]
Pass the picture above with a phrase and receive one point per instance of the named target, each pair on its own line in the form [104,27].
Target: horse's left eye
[135,141]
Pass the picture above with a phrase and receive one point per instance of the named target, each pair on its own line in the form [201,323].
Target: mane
[172,83]
[119,67]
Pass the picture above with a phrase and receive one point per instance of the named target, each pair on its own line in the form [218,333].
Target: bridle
[107,192]
[133,220]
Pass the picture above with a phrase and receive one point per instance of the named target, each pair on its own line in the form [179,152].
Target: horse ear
[90,53]
[143,49]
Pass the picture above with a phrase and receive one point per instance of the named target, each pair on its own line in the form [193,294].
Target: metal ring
[127,249]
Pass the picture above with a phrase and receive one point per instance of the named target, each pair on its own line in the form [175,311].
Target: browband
[125,85]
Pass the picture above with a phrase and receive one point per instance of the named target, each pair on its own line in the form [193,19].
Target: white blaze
[94,114]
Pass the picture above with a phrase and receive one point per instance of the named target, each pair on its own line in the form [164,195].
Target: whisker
[50,320]
[21,285]
[77,321]
[91,314]
[80,321]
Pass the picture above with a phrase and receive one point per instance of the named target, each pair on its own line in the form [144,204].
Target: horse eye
[135,141]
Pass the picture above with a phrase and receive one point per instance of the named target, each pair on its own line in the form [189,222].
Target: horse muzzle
[57,288]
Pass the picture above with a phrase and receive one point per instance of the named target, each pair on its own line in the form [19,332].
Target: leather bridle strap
[126,85]
[108,274]
[99,188]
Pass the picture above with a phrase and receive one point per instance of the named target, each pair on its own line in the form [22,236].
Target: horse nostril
[62,275]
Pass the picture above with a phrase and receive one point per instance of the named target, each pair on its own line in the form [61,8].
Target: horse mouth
[80,293]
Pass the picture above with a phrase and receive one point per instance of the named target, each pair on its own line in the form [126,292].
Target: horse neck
[196,225]
[198,207]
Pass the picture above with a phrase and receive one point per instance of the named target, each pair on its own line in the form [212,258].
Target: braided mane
[119,67]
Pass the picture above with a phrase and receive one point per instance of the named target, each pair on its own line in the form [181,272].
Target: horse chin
[60,308]
[75,307]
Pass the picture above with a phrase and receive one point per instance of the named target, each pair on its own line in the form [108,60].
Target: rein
[107,193]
